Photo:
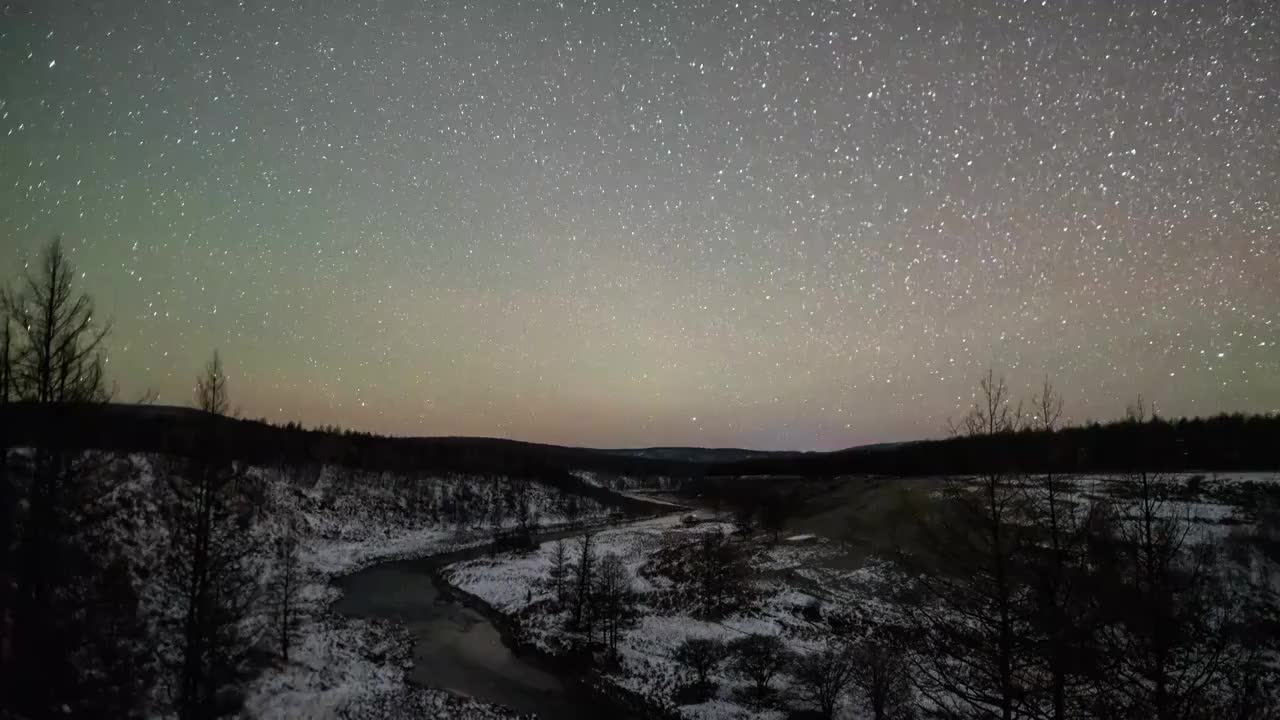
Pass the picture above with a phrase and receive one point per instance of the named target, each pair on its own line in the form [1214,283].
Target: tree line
[1037,595]
[1234,441]
[175,431]
[73,639]
[1041,595]
[76,638]
[594,592]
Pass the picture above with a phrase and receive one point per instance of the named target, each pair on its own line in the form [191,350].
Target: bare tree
[1166,611]
[285,607]
[774,512]
[721,574]
[1046,408]
[975,635]
[8,494]
[59,342]
[823,677]
[212,395]
[116,655]
[208,564]
[492,495]
[8,390]
[1054,569]
[522,498]
[613,599]
[1136,411]
[558,574]
[882,673]
[992,413]
[759,658]
[1251,679]
[58,654]
[583,576]
[700,657]
[572,510]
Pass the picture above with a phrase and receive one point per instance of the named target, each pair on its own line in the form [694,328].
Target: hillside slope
[343,519]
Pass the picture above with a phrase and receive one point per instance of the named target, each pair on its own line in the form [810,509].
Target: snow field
[647,667]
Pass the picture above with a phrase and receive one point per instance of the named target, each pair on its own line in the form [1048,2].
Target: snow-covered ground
[799,581]
[516,585]
[346,520]
[623,482]
[349,667]
[1212,503]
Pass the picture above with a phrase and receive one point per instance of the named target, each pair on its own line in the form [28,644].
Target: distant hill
[177,430]
[1222,442]
[1235,442]
[165,427]
[702,455]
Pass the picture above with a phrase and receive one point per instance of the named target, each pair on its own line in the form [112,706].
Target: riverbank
[351,667]
[797,581]
[355,667]
[599,697]
[366,652]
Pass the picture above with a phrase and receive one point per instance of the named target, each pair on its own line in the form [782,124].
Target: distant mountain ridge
[700,454]
[1235,442]
[179,413]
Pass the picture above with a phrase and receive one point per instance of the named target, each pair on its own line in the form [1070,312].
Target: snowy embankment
[792,580]
[800,584]
[344,520]
[353,667]
[1212,504]
[622,483]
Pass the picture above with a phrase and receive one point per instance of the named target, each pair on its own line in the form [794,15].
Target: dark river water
[456,647]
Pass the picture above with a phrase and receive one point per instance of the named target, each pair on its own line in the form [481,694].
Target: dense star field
[781,225]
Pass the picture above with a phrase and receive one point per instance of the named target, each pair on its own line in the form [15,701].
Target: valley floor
[355,668]
[798,576]
[344,667]
[801,579]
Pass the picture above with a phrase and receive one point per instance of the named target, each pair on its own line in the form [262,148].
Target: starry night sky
[777,225]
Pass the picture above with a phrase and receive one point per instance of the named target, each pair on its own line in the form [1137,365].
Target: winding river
[456,647]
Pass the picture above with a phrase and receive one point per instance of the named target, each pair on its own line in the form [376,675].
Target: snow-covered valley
[407,609]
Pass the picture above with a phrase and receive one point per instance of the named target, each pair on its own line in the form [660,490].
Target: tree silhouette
[613,599]
[975,636]
[207,565]
[70,623]
[700,657]
[759,658]
[823,676]
[283,591]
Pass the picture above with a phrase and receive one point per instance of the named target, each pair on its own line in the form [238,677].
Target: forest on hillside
[153,565]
